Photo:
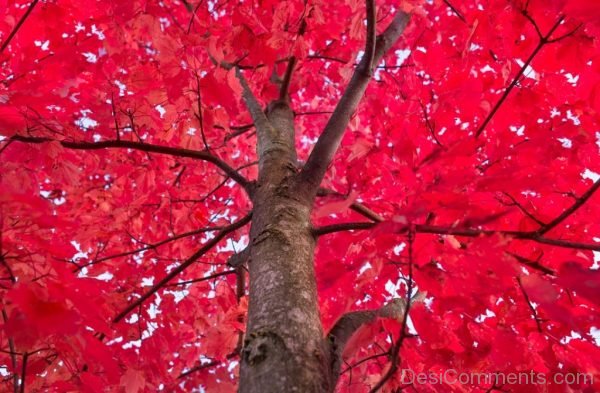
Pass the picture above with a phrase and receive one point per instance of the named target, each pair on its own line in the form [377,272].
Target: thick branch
[344,226]
[172,151]
[264,129]
[18,26]
[329,141]
[237,131]
[466,232]
[184,265]
[349,323]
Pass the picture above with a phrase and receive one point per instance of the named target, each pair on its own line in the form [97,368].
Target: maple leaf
[133,381]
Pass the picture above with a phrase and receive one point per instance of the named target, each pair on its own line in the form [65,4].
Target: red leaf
[133,381]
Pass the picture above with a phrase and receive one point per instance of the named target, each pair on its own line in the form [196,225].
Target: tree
[299,195]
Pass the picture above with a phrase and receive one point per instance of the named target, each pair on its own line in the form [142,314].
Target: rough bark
[284,348]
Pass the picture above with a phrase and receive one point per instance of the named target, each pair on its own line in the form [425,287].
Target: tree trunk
[284,348]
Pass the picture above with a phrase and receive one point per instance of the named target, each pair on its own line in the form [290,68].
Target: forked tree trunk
[284,347]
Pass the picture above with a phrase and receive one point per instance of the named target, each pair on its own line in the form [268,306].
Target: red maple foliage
[467,175]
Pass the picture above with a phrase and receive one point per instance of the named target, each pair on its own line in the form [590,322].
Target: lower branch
[349,323]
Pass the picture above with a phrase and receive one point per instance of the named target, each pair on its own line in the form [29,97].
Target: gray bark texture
[285,348]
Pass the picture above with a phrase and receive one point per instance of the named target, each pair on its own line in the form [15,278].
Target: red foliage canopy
[126,151]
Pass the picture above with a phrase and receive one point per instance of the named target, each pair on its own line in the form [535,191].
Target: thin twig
[184,265]
[212,276]
[395,351]
[18,26]
[522,209]
[532,264]
[572,209]
[199,114]
[24,371]
[13,356]
[542,42]
[455,10]
[198,368]
[152,246]
[534,313]
[429,125]
[363,360]
[370,43]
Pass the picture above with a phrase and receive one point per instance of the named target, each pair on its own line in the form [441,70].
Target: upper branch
[287,78]
[172,151]
[264,129]
[329,141]
[184,265]
[371,36]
